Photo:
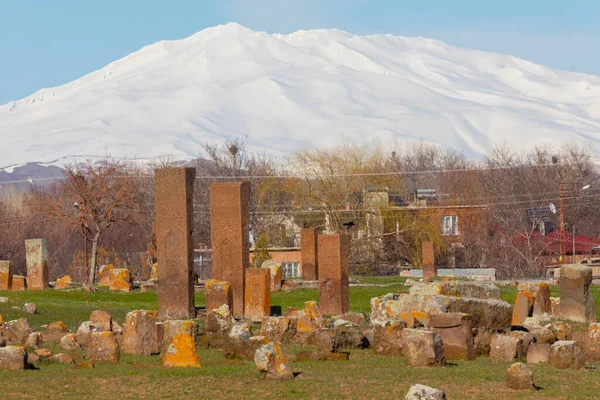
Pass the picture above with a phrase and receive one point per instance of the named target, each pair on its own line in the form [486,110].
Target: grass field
[364,376]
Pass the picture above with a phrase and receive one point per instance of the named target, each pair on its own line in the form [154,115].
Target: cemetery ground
[364,375]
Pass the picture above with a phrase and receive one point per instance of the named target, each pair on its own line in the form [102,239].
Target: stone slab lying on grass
[477,290]
[17,331]
[415,310]
[387,340]
[12,358]
[455,330]
[566,354]
[422,392]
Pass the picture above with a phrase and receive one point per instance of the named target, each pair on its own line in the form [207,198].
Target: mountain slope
[309,88]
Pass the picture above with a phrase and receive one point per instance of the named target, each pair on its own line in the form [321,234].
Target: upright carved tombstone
[334,291]
[429,270]
[229,234]
[309,254]
[173,192]
[36,253]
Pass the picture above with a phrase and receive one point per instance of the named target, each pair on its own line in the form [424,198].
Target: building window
[449,225]
[291,270]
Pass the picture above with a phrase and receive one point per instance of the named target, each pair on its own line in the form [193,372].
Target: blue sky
[45,43]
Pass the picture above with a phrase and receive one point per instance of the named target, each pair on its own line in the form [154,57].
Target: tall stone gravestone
[309,254]
[36,254]
[334,291]
[173,192]
[576,302]
[229,234]
[429,270]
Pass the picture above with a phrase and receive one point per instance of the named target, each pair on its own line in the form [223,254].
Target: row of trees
[102,212]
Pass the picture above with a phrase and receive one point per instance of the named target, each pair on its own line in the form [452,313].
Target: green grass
[364,376]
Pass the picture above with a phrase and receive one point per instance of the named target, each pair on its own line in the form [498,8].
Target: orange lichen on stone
[181,353]
[63,283]
[217,293]
[311,308]
[523,307]
[1,320]
[19,283]
[120,280]
[104,275]
[305,324]
[6,275]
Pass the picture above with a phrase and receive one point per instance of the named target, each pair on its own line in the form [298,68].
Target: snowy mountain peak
[309,88]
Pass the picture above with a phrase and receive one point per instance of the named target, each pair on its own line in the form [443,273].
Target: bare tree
[91,198]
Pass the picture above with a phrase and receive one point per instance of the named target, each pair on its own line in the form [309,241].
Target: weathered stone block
[279,329]
[217,293]
[423,348]
[271,360]
[16,331]
[19,283]
[154,272]
[477,290]
[138,333]
[120,280]
[523,308]
[181,352]
[102,321]
[84,333]
[13,358]
[455,330]
[258,293]
[562,330]
[103,347]
[576,303]
[33,341]
[526,339]
[276,274]
[36,254]
[538,353]
[334,290]
[55,331]
[519,377]
[309,254]
[69,342]
[219,320]
[104,275]
[63,283]
[566,354]
[387,339]
[505,348]
[6,275]
[422,392]
[172,328]
[229,218]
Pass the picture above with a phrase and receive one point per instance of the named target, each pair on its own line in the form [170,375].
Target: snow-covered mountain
[308,88]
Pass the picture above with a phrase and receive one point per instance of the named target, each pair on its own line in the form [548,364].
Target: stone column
[229,234]
[429,270]
[257,293]
[6,275]
[309,254]
[36,253]
[173,192]
[334,292]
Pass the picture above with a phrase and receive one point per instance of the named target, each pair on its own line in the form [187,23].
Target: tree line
[102,212]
